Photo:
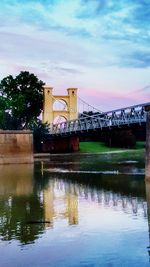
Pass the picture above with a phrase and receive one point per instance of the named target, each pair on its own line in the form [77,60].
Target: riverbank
[96,147]
[90,148]
[99,147]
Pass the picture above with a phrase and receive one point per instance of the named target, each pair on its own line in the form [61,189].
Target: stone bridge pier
[16,147]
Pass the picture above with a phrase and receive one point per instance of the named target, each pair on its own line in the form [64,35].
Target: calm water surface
[75,210]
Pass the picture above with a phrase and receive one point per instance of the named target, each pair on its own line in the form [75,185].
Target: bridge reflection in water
[71,193]
[59,203]
[65,203]
[30,203]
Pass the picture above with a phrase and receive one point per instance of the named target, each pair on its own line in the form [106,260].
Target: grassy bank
[99,147]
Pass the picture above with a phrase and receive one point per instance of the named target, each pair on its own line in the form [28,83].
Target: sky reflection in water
[74,219]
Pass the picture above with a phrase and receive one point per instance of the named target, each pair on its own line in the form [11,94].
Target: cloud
[143,93]
[110,28]
[137,59]
[145,89]
[100,99]
[83,43]
[68,70]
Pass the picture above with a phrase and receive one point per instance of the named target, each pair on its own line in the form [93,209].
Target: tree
[88,114]
[40,130]
[22,100]
[121,138]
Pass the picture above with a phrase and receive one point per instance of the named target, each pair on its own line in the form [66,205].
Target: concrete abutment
[16,147]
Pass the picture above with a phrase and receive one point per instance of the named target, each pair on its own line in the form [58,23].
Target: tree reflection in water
[30,202]
[18,204]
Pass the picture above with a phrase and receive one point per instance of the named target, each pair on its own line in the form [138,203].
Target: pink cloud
[108,100]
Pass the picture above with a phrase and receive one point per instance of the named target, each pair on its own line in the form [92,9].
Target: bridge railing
[119,117]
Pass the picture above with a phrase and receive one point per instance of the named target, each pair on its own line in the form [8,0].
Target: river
[75,210]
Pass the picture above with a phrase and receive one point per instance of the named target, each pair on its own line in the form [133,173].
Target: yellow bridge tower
[69,113]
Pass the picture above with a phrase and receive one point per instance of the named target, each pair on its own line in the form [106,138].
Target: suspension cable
[87,108]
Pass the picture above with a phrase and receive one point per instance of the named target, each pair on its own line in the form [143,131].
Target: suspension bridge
[72,115]
[102,120]
[63,135]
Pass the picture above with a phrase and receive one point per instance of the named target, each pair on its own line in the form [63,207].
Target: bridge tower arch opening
[60,105]
[67,102]
[59,119]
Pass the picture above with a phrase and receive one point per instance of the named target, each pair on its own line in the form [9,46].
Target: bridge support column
[61,144]
[147,161]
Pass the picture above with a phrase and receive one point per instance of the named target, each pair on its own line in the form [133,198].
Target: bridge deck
[119,117]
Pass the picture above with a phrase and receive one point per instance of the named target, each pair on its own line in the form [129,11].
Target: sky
[101,47]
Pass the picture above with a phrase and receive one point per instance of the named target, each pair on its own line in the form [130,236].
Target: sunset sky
[102,47]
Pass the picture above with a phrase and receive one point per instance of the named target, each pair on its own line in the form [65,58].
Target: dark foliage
[40,130]
[124,139]
[21,100]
